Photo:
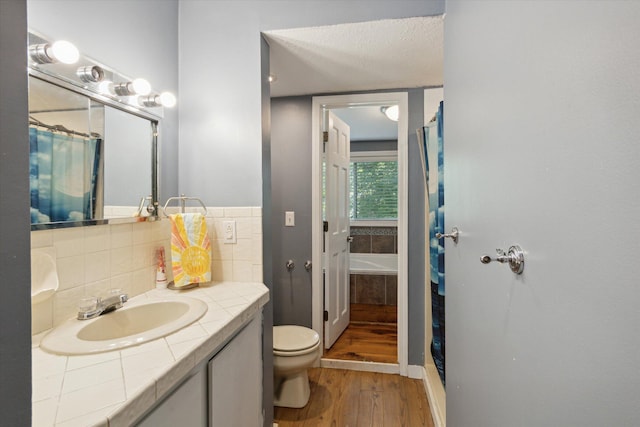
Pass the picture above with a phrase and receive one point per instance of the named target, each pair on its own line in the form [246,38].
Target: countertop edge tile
[173,373]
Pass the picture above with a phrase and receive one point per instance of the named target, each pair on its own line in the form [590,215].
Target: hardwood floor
[370,342]
[344,398]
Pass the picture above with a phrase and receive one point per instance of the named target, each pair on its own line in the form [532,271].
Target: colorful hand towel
[190,249]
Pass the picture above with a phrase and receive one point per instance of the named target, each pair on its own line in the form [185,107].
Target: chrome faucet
[102,305]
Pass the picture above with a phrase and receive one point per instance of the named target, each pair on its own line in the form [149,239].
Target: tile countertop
[113,388]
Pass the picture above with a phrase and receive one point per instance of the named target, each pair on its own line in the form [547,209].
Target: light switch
[229,231]
[289,219]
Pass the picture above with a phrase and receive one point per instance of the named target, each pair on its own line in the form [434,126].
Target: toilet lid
[293,338]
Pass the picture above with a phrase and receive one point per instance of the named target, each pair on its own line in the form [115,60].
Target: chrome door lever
[453,235]
[515,258]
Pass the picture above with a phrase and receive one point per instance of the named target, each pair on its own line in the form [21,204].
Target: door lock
[515,258]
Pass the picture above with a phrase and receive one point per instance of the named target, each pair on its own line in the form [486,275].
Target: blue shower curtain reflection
[434,160]
[63,175]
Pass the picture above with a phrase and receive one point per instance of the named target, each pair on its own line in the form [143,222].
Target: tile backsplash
[91,260]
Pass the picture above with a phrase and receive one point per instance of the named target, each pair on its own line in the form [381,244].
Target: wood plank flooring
[344,398]
[370,342]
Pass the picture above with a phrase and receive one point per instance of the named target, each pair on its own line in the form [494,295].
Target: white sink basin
[135,323]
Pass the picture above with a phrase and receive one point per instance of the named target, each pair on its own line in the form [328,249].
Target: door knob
[515,258]
[453,235]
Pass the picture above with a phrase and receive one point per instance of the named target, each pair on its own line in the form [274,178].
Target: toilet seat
[292,340]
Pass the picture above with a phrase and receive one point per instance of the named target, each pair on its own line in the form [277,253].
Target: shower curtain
[434,161]
[63,175]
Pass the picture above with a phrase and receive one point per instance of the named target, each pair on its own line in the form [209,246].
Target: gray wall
[416,227]
[220,135]
[374,146]
[291,190]
[15,315]
[267,237]
[145,44]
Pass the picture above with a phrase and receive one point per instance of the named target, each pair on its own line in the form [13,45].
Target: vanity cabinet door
[185,407]
[235,380]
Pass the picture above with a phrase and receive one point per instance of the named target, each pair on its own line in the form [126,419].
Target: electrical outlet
[289,219]
[229,231]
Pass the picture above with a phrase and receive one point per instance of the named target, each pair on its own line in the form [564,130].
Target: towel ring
[183,199]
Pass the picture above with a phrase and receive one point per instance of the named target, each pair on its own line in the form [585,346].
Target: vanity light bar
[90,73]
[60,51]
[165,99]
[65,52]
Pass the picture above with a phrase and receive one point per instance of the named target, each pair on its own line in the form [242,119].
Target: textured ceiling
[387,54]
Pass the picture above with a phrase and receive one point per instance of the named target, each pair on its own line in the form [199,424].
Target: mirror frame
[154,121]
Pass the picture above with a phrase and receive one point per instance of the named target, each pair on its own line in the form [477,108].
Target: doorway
[320,104]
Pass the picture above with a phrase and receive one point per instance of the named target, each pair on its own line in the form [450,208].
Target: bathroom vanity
[208,373]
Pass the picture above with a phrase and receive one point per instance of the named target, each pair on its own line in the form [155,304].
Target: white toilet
[295,349]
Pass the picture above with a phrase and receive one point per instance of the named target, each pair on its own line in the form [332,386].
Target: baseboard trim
[384,368]
[435,394]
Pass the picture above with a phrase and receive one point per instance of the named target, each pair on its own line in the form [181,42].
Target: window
[374,186]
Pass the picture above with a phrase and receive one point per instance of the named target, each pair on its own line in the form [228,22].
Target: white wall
[220,128]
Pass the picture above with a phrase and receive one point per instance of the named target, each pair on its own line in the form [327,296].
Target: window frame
[373,156]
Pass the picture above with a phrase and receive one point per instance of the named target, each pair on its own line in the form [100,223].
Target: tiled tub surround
[116,388]
[377,289]
[92,260]
[374,292]
[374,240]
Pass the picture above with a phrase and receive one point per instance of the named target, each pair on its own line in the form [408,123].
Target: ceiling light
[60,51]
[392,112]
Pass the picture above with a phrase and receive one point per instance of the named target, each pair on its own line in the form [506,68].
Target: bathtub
[373,263]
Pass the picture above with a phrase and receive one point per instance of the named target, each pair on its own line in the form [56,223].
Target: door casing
[342,101]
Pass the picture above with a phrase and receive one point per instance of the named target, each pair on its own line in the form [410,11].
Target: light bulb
[167,99]
[65,52]
[105,87]
[141,87]
[392,112]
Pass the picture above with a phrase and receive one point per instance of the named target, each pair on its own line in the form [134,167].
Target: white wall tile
[41,316]
[235,212]
[143,280]
[215,212]
[242,271]
[122,282]
[97,238]
[42,238]
[69,241]
[65,304]
[256,273]
[243,250]
[142,233]
[121,260]
[121,235]
[71,271]
[96,266]
[221,270]
[92,260]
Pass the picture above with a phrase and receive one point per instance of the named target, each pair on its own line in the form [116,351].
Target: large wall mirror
[93,154]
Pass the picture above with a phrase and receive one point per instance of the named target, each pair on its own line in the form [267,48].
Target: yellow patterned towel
[190,249]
